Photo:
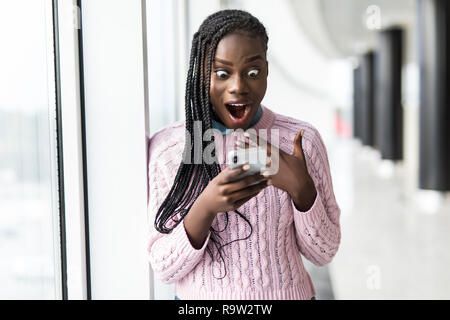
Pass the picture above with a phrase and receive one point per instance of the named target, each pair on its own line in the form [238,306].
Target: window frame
[117,263]
[74,228]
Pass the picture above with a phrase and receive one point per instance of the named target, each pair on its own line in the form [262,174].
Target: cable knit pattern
[268,265]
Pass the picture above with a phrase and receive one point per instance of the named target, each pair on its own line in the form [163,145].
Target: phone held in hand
[254,156]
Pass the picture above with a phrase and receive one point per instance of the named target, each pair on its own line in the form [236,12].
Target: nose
[238,85]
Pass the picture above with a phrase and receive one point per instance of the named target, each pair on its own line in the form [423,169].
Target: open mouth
[238,110]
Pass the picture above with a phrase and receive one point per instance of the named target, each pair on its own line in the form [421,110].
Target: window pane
[29,237]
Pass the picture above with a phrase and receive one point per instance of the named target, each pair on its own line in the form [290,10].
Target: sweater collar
[263,120]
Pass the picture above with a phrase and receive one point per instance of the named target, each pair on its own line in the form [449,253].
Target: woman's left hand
[292,175]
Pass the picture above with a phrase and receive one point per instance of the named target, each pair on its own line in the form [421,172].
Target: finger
[244,183]
[241,194]
[298,149]
[240,202]
[230,174]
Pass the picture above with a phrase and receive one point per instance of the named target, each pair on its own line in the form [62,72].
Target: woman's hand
[292,175]
[221,195]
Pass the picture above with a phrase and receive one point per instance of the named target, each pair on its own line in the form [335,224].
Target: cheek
[215,91]
[212,92]
[265,88]
[260,88]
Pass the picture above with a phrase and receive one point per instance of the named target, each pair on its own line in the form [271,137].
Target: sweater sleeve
[172,255]
[318,230]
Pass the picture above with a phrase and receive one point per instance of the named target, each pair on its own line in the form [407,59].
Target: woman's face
[238,79]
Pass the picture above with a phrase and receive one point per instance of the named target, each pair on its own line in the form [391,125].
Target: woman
[218,239]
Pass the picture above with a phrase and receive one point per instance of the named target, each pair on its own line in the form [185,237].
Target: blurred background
[83,82]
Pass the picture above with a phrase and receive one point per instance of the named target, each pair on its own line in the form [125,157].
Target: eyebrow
[257,57]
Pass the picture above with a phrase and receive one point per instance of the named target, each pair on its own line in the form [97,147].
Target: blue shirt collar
[224,130]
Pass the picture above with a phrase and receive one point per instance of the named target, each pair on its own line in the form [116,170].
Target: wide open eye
[222,74]
[253,73]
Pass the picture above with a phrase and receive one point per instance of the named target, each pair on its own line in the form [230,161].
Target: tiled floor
[392,246]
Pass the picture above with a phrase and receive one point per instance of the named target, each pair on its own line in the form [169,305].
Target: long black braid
[193,177]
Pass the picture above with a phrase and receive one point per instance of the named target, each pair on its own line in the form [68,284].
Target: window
[30,259]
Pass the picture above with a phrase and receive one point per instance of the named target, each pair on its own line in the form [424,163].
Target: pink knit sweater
[268,265]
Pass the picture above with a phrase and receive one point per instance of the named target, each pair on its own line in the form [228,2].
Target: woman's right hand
[222,195]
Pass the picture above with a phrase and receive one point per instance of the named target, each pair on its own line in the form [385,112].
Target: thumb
[298,150]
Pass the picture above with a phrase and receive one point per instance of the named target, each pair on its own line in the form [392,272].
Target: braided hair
[193,177]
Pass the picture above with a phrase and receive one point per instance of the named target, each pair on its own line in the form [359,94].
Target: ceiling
[343,28]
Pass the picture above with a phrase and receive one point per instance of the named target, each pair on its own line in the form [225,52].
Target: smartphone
[255,157]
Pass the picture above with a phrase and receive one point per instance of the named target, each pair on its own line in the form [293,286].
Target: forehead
[236,47]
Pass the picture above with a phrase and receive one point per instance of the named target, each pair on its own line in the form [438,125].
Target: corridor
[393,245]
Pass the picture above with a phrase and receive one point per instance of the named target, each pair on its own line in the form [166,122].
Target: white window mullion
[68,14]
[53,159]
[115,148]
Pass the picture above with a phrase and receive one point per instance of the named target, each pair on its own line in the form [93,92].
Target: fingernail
[246,167]
[247,134]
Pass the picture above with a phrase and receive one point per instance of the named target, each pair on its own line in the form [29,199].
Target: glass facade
[29,234]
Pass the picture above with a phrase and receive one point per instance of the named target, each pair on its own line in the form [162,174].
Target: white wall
[116,159]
